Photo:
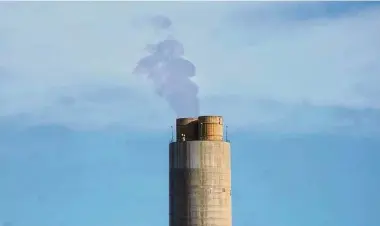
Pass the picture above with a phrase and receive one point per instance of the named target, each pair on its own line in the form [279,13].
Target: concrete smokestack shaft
[200,180]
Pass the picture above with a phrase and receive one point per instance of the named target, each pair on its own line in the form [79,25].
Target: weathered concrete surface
[200,183]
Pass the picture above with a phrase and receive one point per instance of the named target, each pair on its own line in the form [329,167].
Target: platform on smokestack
[201,128]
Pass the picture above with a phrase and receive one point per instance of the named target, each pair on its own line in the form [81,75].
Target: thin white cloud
[64,56]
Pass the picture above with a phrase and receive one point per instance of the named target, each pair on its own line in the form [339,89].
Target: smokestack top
[201,116]
[208,127]
[184,121]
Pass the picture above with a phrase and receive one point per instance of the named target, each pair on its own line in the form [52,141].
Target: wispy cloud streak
[57,65]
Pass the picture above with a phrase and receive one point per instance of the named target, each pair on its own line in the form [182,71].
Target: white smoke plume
[170,72]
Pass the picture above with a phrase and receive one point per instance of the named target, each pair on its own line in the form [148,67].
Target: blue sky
[84,142]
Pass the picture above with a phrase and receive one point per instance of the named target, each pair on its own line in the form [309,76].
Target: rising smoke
[170,72]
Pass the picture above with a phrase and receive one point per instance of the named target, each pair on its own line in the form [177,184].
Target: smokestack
[200,174]
[170,72]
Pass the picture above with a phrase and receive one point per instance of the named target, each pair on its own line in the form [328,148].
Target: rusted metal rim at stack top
[210,128]
[201,128]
